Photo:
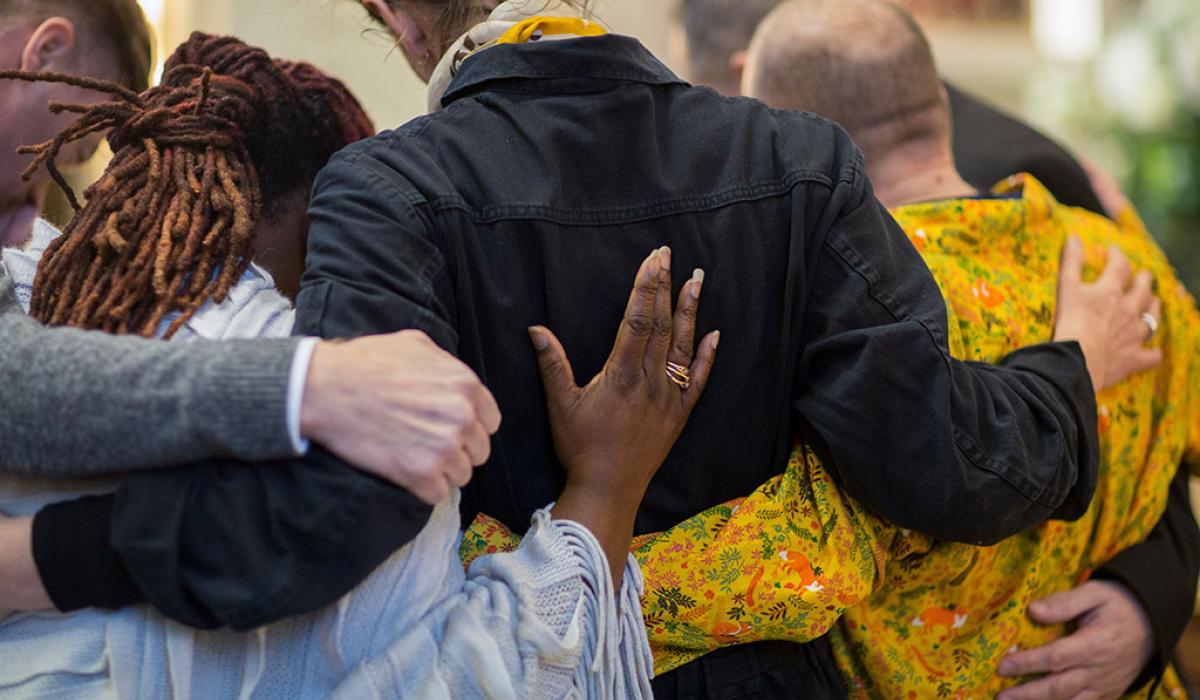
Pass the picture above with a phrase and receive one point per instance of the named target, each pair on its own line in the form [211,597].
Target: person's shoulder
[790,118]
[803,142]
[708,101]
[359,151]
[394,156]
[419,133]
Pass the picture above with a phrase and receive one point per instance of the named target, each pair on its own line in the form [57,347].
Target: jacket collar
[611,57]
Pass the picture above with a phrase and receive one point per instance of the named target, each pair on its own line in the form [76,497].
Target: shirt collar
[213,321]
[610,57]
[1037,201]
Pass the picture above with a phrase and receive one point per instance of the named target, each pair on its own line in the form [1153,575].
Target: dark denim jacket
[555,168]
[530,199]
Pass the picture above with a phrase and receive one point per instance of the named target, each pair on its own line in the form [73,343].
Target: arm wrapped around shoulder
[133,403]
[960,451]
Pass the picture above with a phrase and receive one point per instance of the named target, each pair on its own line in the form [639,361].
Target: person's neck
[17,214]
[900,180]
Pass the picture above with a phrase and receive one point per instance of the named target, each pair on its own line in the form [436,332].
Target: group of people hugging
[295,408]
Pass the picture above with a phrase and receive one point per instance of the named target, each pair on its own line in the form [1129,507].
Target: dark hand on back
[613,434]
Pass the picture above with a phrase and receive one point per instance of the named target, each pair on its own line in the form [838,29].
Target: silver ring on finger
[679,375]
[1151,324]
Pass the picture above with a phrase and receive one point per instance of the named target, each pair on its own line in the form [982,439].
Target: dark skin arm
[613,434]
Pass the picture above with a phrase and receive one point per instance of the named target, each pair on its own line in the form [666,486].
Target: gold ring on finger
[679,374]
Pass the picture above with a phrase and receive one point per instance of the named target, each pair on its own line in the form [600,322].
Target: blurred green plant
[1148,83]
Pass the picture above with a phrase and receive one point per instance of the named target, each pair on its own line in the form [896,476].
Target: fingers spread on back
[1065,606]
[1117,270]
[1141,292]
[701,368]
[683,341]
[1071,268]
[662,323]
[558,379]
[638,323]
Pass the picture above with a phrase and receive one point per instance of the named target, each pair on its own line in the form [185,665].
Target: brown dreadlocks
[197,162]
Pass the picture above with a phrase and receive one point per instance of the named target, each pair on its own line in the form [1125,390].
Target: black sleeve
[1161,572]
[225,544]
[961,451]
[232,544]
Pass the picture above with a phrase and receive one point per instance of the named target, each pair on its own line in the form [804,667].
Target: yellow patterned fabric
[911,617]
[941,621]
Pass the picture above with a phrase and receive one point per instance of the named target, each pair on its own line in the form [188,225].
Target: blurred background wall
[1116,80]
[336,35]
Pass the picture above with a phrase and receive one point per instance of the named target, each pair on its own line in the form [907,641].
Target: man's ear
[737,66]
[402,23]
[50,47]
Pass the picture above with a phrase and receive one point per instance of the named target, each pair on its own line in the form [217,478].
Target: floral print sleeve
[910,617]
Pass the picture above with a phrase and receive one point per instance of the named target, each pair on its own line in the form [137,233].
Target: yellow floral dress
[911,617]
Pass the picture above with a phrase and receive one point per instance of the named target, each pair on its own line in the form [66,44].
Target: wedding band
[1151,323]
[679,374]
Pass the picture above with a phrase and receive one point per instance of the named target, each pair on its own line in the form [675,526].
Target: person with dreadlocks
[206,176]
[206,191]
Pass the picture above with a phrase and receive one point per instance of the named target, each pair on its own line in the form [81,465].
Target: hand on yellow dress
[1107,651]
[1108,317]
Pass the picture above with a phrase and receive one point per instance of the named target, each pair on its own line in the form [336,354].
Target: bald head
[863,63]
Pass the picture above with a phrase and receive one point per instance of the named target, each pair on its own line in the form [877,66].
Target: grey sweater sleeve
[78,403]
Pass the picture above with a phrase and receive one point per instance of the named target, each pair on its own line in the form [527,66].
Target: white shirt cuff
[295,393]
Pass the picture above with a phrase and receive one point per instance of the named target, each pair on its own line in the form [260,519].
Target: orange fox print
[949,619]
[919,239]
[798,564]
[728,632]
[988,295]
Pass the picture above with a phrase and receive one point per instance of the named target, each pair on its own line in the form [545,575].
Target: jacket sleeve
[133,403]
[957,450]
[1162,572]
[372,261]
[225,544]
[230,544]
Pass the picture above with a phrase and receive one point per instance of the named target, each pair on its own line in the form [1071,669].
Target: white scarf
[489,32]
